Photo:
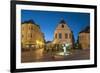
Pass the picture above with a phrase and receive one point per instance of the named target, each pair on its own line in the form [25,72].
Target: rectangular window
[31,28]
[60,35]
[23,28]
[70,35]
[66,35]
[56,35]
[31,35]
[22,35]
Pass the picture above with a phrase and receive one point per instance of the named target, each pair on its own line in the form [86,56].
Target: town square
[54,36]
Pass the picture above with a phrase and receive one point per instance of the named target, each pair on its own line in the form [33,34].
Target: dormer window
[62,26]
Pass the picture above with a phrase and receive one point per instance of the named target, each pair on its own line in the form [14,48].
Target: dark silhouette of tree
[73,40]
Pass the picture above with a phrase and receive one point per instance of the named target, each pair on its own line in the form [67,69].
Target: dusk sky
[48,21]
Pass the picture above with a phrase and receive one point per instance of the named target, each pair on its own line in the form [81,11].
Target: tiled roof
[62,21]
[86,30]
[29,21]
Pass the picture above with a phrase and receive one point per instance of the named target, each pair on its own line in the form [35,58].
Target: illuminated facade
[31,35]
[63,34]
[84,38]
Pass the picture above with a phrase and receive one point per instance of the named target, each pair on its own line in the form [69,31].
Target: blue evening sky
[48,21]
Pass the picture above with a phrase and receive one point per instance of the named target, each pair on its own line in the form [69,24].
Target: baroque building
[63,34]
[31,35]
[84,38]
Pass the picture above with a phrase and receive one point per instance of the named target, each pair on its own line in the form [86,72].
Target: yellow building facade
[31,35]
[84,38]
[63,34]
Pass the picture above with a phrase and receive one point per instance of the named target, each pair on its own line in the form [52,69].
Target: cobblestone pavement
[75,55]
